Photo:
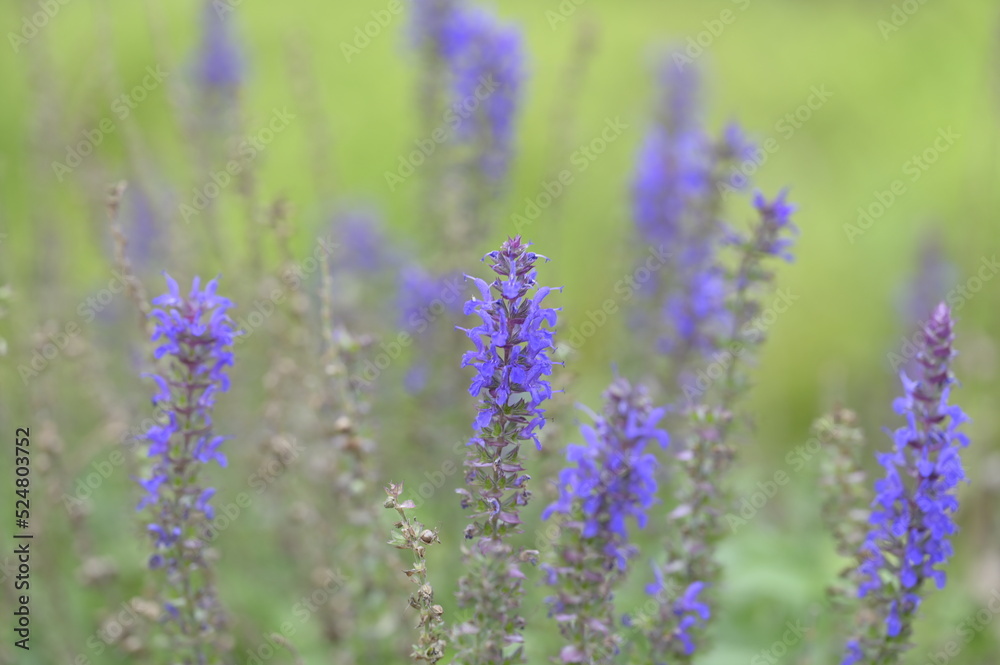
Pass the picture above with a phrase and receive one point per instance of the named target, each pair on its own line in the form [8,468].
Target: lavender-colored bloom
[512,348]
[485,62]
[911,519]
[512,362]
[676,200]
[220,63]
[423,297]
[143,235]
[362,245]
[424,300]
[194,335]
[608,482]
[772,235]
[688,611]
[670,175]
[930,283]
[430,27]
[673,168]
[612,477]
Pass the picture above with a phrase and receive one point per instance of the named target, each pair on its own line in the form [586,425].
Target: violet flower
[195,337]
[607,482]
[677,199]
[911,520]
[220,63]
[485,61]
[424,301]
[512,362]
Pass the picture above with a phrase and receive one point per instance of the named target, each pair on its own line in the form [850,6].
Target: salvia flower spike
[511,359]
[911,521]
[608,482]
[194,337]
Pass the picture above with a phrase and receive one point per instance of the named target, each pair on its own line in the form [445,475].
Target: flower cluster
[677,193]
[423,298]
[486,65]
[194,335]
[512,362]
[911,519]
[512,347]
[611,479]
[685,613]
[672,170]
[220,63]
[706,452]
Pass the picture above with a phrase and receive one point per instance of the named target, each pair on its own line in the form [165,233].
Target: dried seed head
[428,536]
[343,425]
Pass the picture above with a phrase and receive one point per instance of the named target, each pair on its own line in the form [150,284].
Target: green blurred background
[891,93]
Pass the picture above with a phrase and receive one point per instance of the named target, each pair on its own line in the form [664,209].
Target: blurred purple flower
[220,62]
[611,478]
[485,61]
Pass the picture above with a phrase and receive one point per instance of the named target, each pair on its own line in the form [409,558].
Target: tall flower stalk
[706,454]
[473,72]
[608,481]
[512,362]
[911,520]
[194,336]
[409,534]
[678,192]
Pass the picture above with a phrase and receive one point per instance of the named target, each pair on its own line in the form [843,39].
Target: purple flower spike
[777,223]
[612,477]
[512,348]
[608,482]
[220,64]
[194,336]
[511,359]
[911,519]
[485,60]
